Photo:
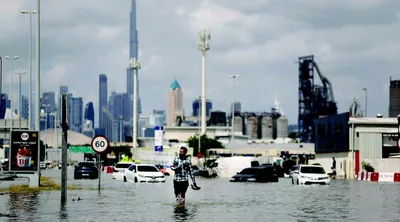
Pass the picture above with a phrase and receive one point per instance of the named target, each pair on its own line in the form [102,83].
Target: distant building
[196,105]
[175,104]
[89,113]
[394,98]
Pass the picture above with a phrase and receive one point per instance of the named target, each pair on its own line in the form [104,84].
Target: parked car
[43,165]
[256,174]
[118,172]
[310,174]
[86,169]
[143,173]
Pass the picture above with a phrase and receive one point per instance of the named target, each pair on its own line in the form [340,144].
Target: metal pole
[199,112]
[12,92]
[233,113]
[135,65]
[64,159]
[99,170]
[120,129]
[37,91]
[233,119]
[366,102]
[203,46]
[30,74]
[20,102]
[37,107]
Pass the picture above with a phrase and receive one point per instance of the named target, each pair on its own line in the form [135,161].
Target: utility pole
[233,113]
[203,46]
[120,129]
[64,159]
[135,65]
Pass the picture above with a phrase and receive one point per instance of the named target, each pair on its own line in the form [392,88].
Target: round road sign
[99,144]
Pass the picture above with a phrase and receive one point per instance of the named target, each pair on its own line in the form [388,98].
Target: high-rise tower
[175,104]
[102,98]
[133,53]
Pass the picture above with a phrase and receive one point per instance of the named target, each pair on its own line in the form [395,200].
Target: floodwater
[218,200]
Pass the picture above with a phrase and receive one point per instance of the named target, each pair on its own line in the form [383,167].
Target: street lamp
[366,100]
[135,65]
[12,85]
[45,128]
[20,97]
[203,46]
[37,107]
[233,112]
[30,13]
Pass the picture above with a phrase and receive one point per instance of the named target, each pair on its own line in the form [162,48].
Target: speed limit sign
[99,144]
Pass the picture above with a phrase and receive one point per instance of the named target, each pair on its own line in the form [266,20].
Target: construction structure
[315,101]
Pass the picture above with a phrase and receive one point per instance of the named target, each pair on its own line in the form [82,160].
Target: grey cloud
[355,45]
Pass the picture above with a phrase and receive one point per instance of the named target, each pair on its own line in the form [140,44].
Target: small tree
[205,143]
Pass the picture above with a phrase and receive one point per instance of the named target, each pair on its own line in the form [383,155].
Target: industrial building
[394,98]
[315,101]
[354,140]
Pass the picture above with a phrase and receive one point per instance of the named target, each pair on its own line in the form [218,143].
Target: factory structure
[263,125]
[315,101]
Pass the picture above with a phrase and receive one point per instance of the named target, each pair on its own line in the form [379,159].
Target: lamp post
[366,100]
[233,113]
[30,13]
[120,129]
[37,107]
[20,97]
[204,46]
[12,85]
[135,65]
[45,129]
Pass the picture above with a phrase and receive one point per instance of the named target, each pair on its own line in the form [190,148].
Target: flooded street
[217,200]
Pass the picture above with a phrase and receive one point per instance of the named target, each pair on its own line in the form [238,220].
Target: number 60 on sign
[99,144]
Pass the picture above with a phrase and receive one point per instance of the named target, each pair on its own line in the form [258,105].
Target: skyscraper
[25,107]
[77,117]
[102,98]
[133,53]
[175,103]
[89,113]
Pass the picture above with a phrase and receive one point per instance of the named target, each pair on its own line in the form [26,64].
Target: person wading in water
[182,166]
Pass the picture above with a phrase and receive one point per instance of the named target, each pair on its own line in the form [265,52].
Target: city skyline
[264,59]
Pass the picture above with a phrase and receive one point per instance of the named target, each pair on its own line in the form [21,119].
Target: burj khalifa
[133,53]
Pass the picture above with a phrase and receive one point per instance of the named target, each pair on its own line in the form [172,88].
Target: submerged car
[143,173]
[256,174]
[310,174]
[86,170]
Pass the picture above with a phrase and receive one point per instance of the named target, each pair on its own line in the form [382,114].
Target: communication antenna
[203,46]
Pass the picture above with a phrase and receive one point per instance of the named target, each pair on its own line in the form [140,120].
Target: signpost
[158,138]
[99,145]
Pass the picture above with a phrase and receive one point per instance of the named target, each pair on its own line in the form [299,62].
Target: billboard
[24,155]
[158,138]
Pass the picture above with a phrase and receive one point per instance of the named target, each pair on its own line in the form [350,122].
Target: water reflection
[183,213]
[63,211]
[24,204]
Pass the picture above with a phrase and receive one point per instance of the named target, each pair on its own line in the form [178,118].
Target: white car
[310,174]
[143,173]
[118,172]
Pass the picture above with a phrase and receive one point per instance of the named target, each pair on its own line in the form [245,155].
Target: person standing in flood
[182,166]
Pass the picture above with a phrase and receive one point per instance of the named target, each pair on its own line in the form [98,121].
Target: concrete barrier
[378,177]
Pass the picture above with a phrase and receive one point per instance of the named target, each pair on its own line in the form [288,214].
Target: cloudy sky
[356,44]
